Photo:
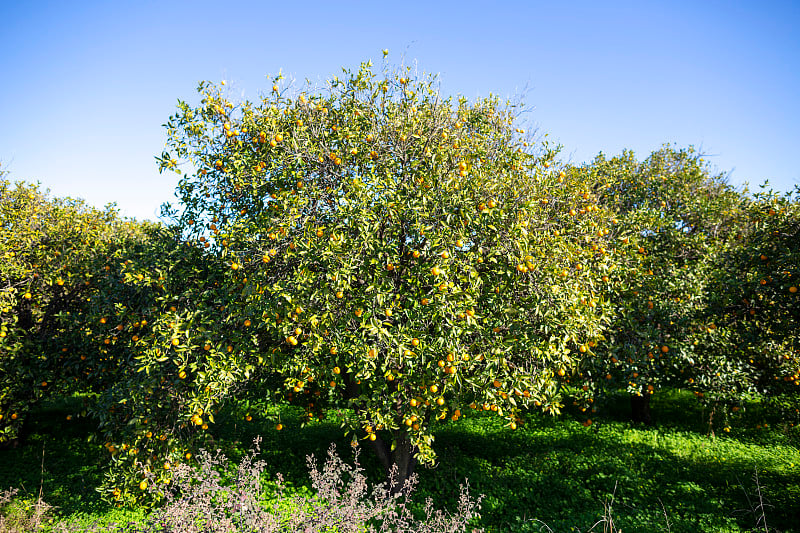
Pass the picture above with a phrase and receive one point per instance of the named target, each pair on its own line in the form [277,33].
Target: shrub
[219,498]
[17,515]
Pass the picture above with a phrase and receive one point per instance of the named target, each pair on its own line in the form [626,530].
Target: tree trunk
[401,458]
[640,409]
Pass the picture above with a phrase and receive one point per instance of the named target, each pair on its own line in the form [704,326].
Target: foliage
[53,251]
[551,469]
[680,223]
[756,305]
[392,251]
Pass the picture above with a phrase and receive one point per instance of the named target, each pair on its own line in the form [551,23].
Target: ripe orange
[279,427]
[793,289]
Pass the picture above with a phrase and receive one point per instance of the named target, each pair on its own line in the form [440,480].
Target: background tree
[679,221]
[753,316]
[53,251]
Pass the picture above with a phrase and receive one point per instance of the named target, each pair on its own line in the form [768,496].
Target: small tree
[398,255]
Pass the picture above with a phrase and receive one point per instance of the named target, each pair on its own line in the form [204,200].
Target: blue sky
[86,86]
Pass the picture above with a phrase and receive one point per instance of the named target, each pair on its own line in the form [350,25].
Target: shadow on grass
[550,469]
[562,474]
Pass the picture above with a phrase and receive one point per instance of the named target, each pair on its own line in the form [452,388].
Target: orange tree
[756,308]
[159,323]
[89,304]
[82,292]
[678,222]
[51,253]
[398,255]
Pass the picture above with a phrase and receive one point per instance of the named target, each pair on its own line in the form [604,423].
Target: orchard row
[379,251]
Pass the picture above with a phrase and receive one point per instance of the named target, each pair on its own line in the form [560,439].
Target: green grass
[552,470]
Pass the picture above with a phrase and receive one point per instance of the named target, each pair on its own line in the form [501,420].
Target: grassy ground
[670,477]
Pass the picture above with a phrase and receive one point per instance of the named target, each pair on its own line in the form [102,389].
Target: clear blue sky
[85,86]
